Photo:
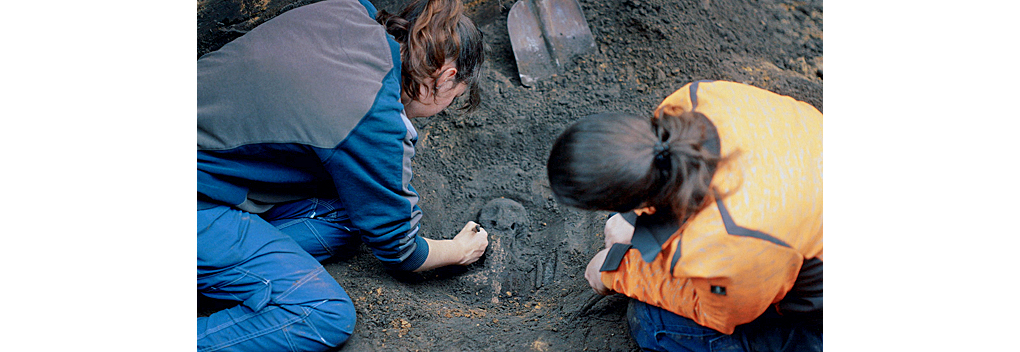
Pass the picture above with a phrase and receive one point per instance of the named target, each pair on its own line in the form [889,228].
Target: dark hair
[620,162]
[430,33]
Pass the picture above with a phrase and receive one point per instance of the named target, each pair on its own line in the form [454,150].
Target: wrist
[606,280]
[442,253]
[418,256]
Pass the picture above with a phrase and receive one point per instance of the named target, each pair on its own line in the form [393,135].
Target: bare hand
[618,230]
[472,239]
[593,274]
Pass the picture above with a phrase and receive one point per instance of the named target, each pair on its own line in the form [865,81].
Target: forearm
[442,253]
[463,249]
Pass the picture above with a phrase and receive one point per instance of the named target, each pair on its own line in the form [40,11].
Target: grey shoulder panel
[307,76]
[410,138]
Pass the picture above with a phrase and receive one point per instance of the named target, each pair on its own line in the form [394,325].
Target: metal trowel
[546,36]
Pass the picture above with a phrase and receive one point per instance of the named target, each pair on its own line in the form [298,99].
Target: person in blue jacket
[304,153]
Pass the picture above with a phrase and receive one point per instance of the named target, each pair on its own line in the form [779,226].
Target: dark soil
[529,292]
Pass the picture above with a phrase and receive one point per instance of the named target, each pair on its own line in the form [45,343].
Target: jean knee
[334,320]
[327,313]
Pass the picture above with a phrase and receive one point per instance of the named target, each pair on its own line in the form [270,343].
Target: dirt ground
[529,293]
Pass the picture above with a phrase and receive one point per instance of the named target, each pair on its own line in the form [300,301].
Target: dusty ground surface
[489,166]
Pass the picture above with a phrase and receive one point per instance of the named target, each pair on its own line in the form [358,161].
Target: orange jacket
[735,264]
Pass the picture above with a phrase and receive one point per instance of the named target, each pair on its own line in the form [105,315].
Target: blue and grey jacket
[308,105]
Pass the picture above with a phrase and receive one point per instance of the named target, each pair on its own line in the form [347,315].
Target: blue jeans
[288,302]
[656,329]
[320,226]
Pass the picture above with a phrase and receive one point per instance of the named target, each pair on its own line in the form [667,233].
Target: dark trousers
[656,329]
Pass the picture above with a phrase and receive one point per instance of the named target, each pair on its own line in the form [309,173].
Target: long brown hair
[430,32]
[620,162]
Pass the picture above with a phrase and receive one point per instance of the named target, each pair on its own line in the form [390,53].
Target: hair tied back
[662,158]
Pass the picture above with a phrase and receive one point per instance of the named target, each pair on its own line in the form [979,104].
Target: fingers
[594,276]
[474,239]
[471,229]
[471,226]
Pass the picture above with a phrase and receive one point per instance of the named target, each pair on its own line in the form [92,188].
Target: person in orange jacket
[718,238]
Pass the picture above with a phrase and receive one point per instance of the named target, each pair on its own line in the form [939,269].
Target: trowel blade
[530,48]
[546,35]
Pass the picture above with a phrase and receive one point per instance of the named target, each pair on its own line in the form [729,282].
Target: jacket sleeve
[372,173]
[717,287]
[371,170]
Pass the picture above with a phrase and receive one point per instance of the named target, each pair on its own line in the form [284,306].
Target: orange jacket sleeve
[720,280]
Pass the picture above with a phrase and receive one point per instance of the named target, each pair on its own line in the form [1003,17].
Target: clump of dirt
[529,292]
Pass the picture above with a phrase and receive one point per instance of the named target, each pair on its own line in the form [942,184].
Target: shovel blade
[546,36]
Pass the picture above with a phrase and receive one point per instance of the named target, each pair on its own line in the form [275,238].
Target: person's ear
[446,77]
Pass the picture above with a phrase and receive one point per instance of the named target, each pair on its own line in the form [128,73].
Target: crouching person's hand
[463,249]
[593,274]
[472,239]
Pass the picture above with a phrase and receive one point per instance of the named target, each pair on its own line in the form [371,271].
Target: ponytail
[692,153]
[620,162]
[431,32]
